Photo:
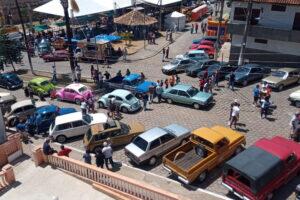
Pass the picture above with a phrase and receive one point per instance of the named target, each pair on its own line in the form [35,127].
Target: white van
[74,124]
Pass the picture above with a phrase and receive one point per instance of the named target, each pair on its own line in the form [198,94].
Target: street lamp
[65,5]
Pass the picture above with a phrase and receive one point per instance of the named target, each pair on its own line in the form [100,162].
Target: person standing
[265,105]
[256,94]
[99,159]
[87,157]
[100,78]
[143,77]
[107,75]
[108,153]
[151,92]
[127,72]
[78,73]
[54,75]
[201,84]
[145,100]
[159,91]
[177,79]
[125,54]
[235,115]
[192,29]
[172,80]
[205,75]
[231,81]
[83,107]
[47,149]
[167,52]
[163,54]
[93,73]
[196,27]
[64,151]
[217,77]
[166,83]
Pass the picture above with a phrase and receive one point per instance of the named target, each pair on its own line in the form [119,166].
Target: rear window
[62,127]
[202,141]
[140,143]
[82,89]
[129,97]
[239,177]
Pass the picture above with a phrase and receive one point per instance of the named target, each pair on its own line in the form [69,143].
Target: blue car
[10,81]
[43,117]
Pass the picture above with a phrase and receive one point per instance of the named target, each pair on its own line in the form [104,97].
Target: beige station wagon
[283,77]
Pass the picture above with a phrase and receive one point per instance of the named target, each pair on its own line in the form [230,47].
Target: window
[101,136]
[296,25]
[140,143]
[77,124]
[62,127]
[119,99]
[166,138]
[29,107]
[154,144]
[262,41]
[240,14]
[184,62]
[115,133]
[18,110]
[280,8]
[173,92]
[221,143]
[183,94]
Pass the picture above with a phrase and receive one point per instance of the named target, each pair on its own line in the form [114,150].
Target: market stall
[175,21]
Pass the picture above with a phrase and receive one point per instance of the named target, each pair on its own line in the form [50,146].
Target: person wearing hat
[47,149]
[234,103]
[107,151]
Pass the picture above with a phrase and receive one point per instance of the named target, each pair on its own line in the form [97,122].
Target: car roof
[75,86]
[131,77]
[205,46]
[196,51]
[153,134]
[75,116]
[38,80]
[184,87]
[120,92]
[50,108]
[208,134]
[28,102]
[287,69]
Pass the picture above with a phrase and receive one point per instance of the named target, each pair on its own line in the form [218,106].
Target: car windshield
[13,77]
[129,97]
[124,128]
[52,126]
[175,62]
[44,83]
[279,74]
[88,135]
[192,91]
[140,143]
[82,89]
[242,70]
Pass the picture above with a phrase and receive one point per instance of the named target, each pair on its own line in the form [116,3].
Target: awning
[163,2]
[135,18]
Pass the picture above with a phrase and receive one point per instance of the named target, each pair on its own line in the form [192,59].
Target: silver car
[149,146]
[177,65]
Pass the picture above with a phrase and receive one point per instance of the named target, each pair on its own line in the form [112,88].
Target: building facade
[273,35]
[9,13]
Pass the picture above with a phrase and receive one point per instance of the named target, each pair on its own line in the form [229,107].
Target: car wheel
[61,139]
[297,104]
[101,104]
[97,149]
[202,176]
[124,110]
[169,101]
[77,101]
[13,122]
[280,87]
[196,106]
[239,150]
[245,83]
[153,161]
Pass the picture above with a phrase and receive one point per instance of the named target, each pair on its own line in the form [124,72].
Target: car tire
[245,83]
[202,176]
[97,149]
[77,101]
[169,101]
[280,87]
[61,139]
[124,110]
[297,104]
[238,150]
[153,161]
[196,106]
[100,104]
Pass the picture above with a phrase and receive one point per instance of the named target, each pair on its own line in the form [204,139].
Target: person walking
[177,79]
[231,81]
[196,28]
[210,86]
[93,73]
[192,29]
[159,90]
[265,105]
[206,86]
[234,103]
[107,75]
[167,52]
[256,94]
[87,157]
[235,114]
[125,54]
[108,153]
[64,151]
[151,92]
[83,108]
[78,73]
[163,54]
[145,100]
[99,159]
[201,84]
[54,75]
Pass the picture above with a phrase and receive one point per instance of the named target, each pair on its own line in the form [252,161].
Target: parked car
[297,192]
[209,50]
[41,86]
[6,101]
[283,77]
[44,47]
[125,99]
[249,72]
[261,169]
[59,55]
[149,146]
[177,65]
[209,38]
[132,83]
[194,55]
[118,132]
[20,110]
[10,81]
[187,94]
[74,124]
[75,92]
[201,65]
[202,42]
[223,68]
[206,149]
[43,117]
[294,98]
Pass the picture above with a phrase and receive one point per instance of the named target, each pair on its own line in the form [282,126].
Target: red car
[209,50]
[258,171]
[60,55]
[194,46]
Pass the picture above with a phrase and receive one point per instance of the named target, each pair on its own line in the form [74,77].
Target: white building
[274,33]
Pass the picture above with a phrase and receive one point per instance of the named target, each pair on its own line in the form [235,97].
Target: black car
[10,81]
[222,67]
[249,72]
[199,66]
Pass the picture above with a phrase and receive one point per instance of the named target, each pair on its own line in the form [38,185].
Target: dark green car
[41,86]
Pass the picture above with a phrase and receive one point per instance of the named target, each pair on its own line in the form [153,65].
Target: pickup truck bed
[188,160]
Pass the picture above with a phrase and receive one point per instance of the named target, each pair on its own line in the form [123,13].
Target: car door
[119,100]
[64,129]
[183,97]
[155,149]
[79,127]
[168,141]
[119,137]
[223,150]
[172,94]
[292,78]
[182,65]
[98,139]
[45,121]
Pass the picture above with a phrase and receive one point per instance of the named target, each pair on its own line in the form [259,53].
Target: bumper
[235,193]
[185,181]
[133,158]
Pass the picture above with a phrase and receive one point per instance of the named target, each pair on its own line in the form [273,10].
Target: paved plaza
[250,124]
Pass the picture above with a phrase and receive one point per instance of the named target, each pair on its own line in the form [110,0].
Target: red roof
[286,2]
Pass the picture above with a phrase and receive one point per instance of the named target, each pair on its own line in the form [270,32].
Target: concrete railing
[104,177]
[7,176]
[11,149]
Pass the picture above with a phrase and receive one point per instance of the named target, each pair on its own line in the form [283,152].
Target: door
[155,149]
[183,97]
[296,25]
[168,142]
[70,94]
[119,137]
[79,128]
[173,95]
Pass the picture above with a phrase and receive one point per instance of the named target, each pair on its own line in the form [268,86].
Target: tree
[10,50]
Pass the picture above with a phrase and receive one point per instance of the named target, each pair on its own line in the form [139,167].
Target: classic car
[125,99]
[118,132]
[10,81]
[283,77]
[294,98]
[249,72]
[261,169]
[149,146]
[74,92]
[42,118]
[177,65]
[209,38]
[206,149]
[199,66]
[202,42]
[6,101]
[223,68]
[59,55]
[21,110]
[41,86]
[187,94]
[74,124]
[209,50]
[194,55]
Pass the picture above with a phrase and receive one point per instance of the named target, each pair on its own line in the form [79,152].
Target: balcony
[259,31]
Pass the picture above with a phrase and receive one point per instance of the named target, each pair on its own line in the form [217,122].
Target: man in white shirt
[235,115]
[107,151]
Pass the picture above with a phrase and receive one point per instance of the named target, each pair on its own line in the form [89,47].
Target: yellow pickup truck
[207,148]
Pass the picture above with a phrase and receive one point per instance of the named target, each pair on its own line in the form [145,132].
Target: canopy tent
[175,20]
[135,18]
[163,2]
[86,7]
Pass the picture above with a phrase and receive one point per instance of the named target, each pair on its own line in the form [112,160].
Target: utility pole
[25,37]
[219,28]
[160,20]
[244,41]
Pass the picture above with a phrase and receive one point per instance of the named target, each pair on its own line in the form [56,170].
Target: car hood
[295,95]
[239,76]
[177,130]
[272,79]
[169,67]
[202,96]
[144,86]
[133,149]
